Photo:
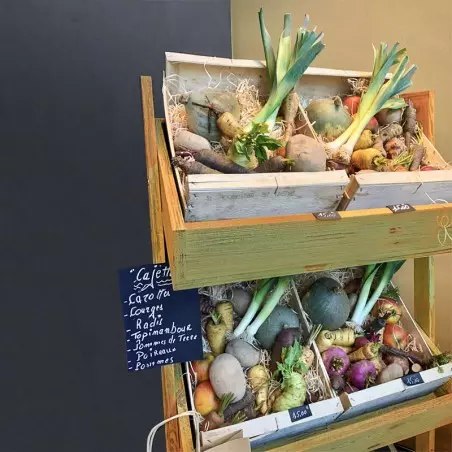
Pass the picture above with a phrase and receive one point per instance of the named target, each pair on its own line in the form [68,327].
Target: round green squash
[281,317]
[326,303]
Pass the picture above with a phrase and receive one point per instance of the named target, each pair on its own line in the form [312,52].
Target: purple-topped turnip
[362,374]
[336,361]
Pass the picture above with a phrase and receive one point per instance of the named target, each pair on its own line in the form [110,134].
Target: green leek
[380,95]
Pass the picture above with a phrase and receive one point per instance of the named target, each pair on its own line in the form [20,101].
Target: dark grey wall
[73,209]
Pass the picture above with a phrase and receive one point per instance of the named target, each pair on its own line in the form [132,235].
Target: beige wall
[424,28]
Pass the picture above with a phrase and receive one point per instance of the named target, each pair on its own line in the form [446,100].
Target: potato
[245,353]
[240,300]
[226,376]
[307,153]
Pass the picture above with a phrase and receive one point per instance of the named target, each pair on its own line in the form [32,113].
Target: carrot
[290,110]
[224,309]
[364,158]
[216,334]
[193,167]
[229,125]
[409,123]
[219,162]
[274,165]
[390,131]
[368,351]
[418,152]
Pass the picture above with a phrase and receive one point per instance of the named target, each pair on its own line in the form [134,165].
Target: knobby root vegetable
[337,382]
[360,341]
[224,309]
[391,131]
[325,340]
[378,144]
[293,394]
[400,360]
[368,351]
[219,162]
[229,125]
[308,154]
[409,123]
[291,105]
[344,337]
[216,334]
[274,165]
[378,363]
[215,419]
[258,379]
[346,349]
[365,141]
[247,400]
[307,358]
[394,147]
[336,361]
[193,167]
[418,152]
[365,158]
[390,373]
[188,141]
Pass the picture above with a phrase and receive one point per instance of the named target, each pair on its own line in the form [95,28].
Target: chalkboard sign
[301,412]
[413,379]
[162,326]
[401,208]
[325,216]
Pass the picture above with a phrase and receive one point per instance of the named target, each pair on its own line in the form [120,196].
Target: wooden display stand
[210,256]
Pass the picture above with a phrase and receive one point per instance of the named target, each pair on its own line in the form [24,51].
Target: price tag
[326,216]
[401,208]
[301,412]
[413,379]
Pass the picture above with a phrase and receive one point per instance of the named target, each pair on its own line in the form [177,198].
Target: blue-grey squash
[203,108]
[281,317]
[327,304]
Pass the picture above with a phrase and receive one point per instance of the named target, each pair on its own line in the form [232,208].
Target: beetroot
[336,361]
[362,374]
[360,341]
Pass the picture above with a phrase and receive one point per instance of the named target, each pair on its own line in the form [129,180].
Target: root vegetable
[409,123]
[274,165]
[286,338]
[308,154]
[216,334]
[362,374]
[188,141]
[240,300]
[291,106]
[379,146]
[215,419]
[336,361]
[346,349]
[247,400]
[246,354]
[400,360]
[349,389]
[353,286]
[368,351]
[205,398]
[219,162]
[390,131]
[365,158]
[365,141]
[394,147]
[307,357]
[353,297]
[258,379]
[337,382]
[389,373]
[418,152]
[325,340]
[378,363]
[193,167]
[224,309]
[360,341]
[229,125]
[388,116]
[226,376]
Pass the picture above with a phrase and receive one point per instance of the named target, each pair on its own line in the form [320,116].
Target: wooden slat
[169,391]
[424,103]
[217,252]
[376,429]
[150,147]
[426,442]
[186,440]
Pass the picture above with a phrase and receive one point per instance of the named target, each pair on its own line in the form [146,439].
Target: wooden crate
[219,197]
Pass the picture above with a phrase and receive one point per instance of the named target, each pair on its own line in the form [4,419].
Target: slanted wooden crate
[220,197]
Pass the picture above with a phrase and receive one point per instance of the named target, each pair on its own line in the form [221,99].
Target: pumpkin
[327,304]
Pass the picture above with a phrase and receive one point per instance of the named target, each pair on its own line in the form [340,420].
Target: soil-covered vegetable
[336,361]
[388,116]
[290,109]
[329,117]
[215,419]
[185,140]
[205,398]
[226,376]
[362,374]
[337,382]
[246,354]
[258,379]
[418,152]
[203,108]
[216,331]
[240,300]
[281,317]
[390,131]
[219,162]
[286,338]
[389,373]
[193,167]
[224,309]
[229,125]
[247,400]
[274,165]
[327,304]
[409,123]
[394,147]
[378,363]
[400,360]
[365,141]
[364,159]
[307,154]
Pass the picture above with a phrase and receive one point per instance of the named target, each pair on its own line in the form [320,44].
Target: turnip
[336,361]
[362,374]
